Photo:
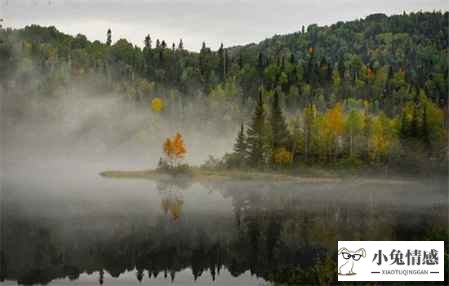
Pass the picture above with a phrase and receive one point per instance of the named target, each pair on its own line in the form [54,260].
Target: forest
[369,92]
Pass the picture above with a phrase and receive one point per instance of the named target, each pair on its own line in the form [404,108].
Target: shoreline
[202,175]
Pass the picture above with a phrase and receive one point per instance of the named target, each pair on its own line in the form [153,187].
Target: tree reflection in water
[171,197]
[279,235]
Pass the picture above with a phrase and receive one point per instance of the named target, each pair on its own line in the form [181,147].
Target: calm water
[63,224]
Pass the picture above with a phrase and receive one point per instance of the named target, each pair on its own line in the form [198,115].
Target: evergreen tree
[424,127]
[180,45]
[280,133]
[389,84]
[109,37]
[260,64]
[240,61]
[240,147]
[203,47]
[148,42]
[255,135]
[221,63]
[226,62]
[414,132]
[341,69]
[404,130]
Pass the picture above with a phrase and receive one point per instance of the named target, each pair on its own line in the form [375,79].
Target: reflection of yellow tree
[172,206]
[176,208]
[171,202]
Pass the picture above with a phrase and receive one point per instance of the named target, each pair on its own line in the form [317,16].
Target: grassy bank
[307,175]
[199,174]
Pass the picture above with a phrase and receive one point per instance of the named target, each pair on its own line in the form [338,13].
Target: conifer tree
[240,147]
[221,63]
[255,135]
[279,128]
[109,37]
[424,127]
[414,132]
[341,69]
[309,118]
[404,126]
[147,42]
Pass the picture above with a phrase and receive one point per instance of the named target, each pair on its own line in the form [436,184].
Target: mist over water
[106,129]
[239,232]
[62,223]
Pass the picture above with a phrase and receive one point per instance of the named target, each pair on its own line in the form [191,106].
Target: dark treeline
[368,90]
[283,239]
[378,58]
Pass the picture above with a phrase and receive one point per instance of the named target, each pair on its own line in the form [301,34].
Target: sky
[231,22]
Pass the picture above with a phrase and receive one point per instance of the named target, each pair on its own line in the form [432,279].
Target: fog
[55,205]
[64,223]
[104,129]
[60,143]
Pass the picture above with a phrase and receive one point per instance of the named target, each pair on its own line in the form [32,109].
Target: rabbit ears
[360,251]
[342,249]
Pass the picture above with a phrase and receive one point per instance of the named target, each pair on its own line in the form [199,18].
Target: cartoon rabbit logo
[347,268]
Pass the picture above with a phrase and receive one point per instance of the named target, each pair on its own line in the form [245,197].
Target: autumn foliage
[283,157]
[174,149]
[157,105]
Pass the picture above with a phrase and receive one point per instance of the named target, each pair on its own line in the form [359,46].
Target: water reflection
[171,198]
[278,232]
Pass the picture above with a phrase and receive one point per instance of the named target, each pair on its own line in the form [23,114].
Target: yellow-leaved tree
[174,149]
[283,157]
[381,138]
[335,127]
[157,105]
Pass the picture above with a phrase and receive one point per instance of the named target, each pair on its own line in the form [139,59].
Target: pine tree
[240,61]
[109,37]
[255,136]
[414,132]
[424,127]
[227,63]
[310,116]
[280,133]
[180,45]
[404,130]
[341,69]
[221,63]
[260,64]
[148,42]
[240,147]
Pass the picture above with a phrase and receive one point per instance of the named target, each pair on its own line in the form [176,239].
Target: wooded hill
[385,74]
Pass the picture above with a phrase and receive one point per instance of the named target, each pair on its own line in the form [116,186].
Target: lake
[63,224]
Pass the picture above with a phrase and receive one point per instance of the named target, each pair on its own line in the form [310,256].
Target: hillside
[374,89]
[412,46]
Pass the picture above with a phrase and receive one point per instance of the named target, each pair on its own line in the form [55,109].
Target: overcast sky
[229,21]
